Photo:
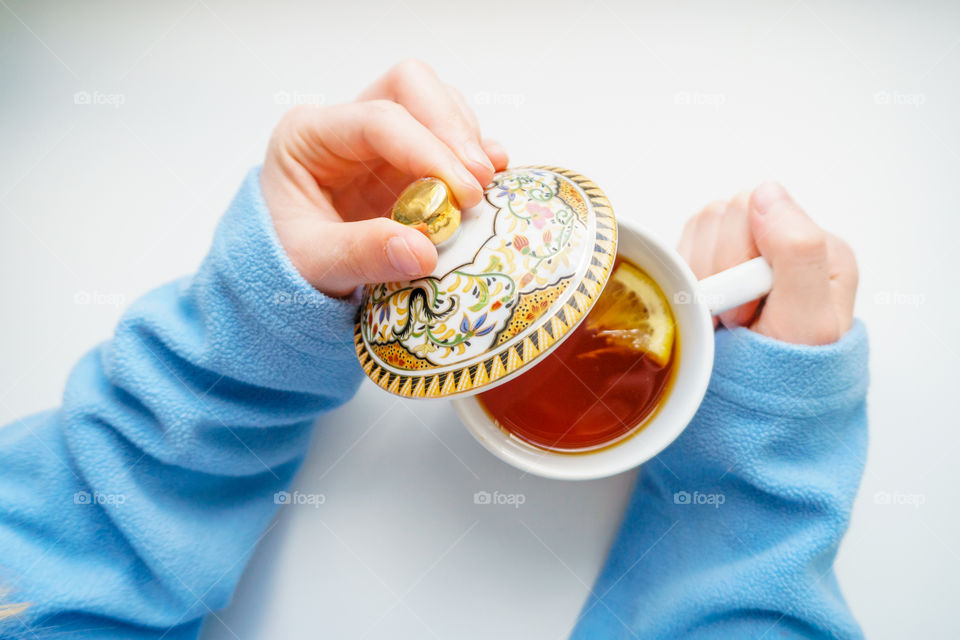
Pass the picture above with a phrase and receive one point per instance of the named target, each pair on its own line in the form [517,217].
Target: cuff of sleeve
[783,378]
[270,287]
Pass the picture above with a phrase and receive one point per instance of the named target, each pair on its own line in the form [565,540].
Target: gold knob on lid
[428,205]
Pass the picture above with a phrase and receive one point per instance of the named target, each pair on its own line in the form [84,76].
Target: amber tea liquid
[586,394]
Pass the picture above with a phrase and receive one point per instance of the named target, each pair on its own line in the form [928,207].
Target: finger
[497,154]
[705,238]
[379,129]
[685,246]
[799,308]
[356,253]
[734,246]
[415,85]
[465,109]
[494,150]
[844,276]
[695,243]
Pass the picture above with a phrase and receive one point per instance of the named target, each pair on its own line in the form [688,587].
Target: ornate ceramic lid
[521,272]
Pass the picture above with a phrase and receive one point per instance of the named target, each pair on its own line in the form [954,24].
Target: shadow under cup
[692,364]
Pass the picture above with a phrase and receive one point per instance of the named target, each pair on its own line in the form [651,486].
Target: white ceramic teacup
[693,303]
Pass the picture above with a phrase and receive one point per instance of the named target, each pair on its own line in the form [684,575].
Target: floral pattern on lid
[524,268]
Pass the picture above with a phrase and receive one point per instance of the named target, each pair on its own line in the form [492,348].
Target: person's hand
[814,272]
[332,173]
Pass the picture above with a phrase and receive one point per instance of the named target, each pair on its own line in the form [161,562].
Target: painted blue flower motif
[475,329]
[487,329]
[384,311]
[501,190]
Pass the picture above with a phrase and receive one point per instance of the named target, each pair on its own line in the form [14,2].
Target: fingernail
[475,155]
[495,147]
[766,195]
[401,257]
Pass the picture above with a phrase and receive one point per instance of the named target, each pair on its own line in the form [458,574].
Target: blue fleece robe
[131,510]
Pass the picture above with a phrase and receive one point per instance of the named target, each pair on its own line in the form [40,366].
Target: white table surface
[666,105]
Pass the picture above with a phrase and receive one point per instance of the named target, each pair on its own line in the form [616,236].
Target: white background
[666,105]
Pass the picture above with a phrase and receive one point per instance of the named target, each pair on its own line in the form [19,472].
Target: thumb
[344,255]
[798,308]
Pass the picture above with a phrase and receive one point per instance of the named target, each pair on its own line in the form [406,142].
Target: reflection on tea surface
[604,380]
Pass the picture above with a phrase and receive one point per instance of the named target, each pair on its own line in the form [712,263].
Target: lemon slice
[633,312]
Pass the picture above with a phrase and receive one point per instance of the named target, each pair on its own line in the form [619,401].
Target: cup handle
[737,285]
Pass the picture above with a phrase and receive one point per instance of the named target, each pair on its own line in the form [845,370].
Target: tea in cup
[692,306]
[604,381]
[573,346]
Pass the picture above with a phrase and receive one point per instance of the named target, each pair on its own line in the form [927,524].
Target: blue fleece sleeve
[131,511]
[732,531]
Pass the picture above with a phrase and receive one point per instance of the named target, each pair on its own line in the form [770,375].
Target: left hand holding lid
[331,174]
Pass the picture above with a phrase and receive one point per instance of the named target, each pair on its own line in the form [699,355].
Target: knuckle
[299,115]
[290,120]
[358,272]
[843,257]
[410,68]
[458,122]
[383,108]
[382,116]
[357,262]
[293,128]
[382,228]
[739,202]
[466,112]
[841,249]
[712,212]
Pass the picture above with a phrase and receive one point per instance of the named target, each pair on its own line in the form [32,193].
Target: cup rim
[694,369]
